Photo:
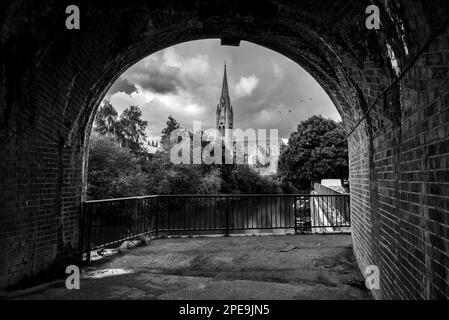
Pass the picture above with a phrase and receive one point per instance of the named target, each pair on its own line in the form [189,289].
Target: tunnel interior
[53,79]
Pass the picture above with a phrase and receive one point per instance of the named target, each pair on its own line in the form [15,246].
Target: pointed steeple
[224,88]
[225,115]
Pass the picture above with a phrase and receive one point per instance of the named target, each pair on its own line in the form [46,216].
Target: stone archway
[53,79]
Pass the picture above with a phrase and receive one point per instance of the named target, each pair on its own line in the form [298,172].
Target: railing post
[296,218]
[157,213]
[348,202]
[82,230]
[89,220]
[227,216]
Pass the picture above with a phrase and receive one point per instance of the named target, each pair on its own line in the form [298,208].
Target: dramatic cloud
[158,78]
[194,67]
[246,85]
[268,91]
[122,85]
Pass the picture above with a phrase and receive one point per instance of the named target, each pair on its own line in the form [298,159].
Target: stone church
[225,120]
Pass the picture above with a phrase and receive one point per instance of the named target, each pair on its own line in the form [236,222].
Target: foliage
[129,127]
[250,182]
[316,150]
[172,125]
[106,119]
[210,183]
[114,171]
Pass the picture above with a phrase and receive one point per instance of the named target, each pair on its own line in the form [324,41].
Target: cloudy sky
[268,90]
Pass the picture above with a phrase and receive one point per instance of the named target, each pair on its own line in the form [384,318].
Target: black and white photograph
[233,151]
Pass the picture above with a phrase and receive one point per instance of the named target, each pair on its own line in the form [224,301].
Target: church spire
[224,89]
[225,115]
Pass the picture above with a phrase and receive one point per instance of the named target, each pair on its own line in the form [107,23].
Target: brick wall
[403,181]
[52,81]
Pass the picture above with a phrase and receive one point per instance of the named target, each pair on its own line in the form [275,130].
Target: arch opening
[266,90]
[54,80]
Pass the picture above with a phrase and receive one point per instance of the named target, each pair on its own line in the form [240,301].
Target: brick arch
[53,80]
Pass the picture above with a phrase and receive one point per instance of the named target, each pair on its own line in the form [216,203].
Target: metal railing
[330,211]
[323,190]
[108,222]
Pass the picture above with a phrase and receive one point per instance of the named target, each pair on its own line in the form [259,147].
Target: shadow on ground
[259,267]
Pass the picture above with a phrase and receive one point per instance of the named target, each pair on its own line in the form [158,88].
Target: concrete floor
[259,267]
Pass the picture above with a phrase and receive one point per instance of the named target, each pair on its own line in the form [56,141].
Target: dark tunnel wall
[52,80]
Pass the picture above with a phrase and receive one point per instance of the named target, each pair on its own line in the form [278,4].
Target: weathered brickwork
[53,79]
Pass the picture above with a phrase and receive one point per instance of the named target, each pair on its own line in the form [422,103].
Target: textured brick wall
[400,204]
[52,80]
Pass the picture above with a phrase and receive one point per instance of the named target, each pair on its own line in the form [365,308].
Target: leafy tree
[106,119]
[210,183]
[129,127]
[131,130]
[172,125]
[114,171]
[316,150]
[248,181]
[164,177]
[180,179]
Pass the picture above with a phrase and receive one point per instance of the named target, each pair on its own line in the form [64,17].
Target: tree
[316,150]
[248,181]
[129,127]
[172,125]
[114,172]
[106,119]
[210,183]
[130,130]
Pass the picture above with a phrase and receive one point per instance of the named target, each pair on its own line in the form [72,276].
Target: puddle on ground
[97,274]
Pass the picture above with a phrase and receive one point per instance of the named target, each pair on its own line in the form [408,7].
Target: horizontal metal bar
[215,196]
[120,240]
[233,229]
[245,195]
[120,199]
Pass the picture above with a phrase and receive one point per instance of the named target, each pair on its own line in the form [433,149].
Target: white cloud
[193,67]
[121,100]
[196,65]
[246,85]
[277,70]
[182,104]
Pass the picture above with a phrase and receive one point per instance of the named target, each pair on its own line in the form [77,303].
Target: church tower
[225,115]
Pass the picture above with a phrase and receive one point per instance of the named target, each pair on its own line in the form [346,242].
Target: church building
[225,120]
